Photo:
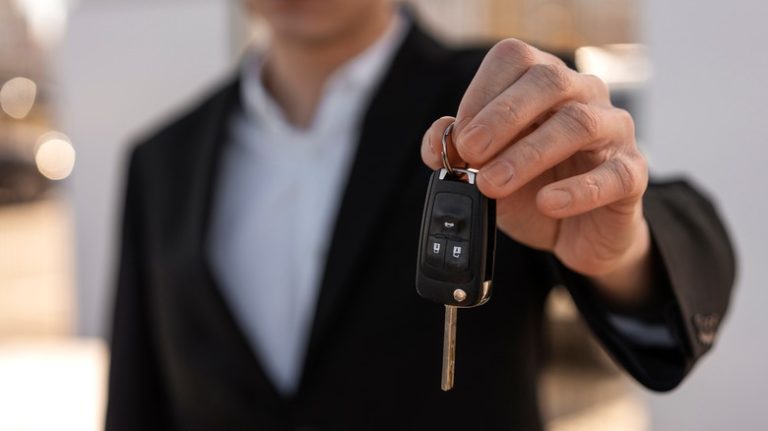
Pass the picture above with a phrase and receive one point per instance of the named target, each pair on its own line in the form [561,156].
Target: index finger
[504,64]
[431,144]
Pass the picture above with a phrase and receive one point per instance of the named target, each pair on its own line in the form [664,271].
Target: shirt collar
[353,81]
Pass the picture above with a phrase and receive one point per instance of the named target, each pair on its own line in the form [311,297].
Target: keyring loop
[444,153]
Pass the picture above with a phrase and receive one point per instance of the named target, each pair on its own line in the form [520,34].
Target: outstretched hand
[561,161]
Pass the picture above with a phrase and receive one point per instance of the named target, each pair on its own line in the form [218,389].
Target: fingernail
[559,199]
[497,173]
[476,138]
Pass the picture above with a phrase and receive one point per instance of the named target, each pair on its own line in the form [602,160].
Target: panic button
[457,256]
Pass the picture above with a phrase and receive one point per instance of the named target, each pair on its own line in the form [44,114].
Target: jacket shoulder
[186,127]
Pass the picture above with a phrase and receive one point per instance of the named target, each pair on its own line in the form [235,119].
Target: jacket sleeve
[694,274]
[135,394]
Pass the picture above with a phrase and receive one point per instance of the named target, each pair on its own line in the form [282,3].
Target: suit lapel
[403,103]
[209,141]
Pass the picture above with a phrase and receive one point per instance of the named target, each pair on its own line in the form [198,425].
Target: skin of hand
[560,160]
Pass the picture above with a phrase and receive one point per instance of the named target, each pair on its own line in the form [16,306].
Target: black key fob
[457,241]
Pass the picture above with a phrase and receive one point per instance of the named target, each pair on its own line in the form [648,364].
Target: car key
[456,249]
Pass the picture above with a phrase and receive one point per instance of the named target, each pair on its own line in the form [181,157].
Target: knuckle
[582,119]
[592,186]
[507,113]
[627,122]
[432,127]
[431,141]
[469,154]
[513,50]
[557,60]
[631,175]
[439,125]
[426,141]
[428,154]
[552,77]
[599,86]
[428,138]
[641,167]
[529,154]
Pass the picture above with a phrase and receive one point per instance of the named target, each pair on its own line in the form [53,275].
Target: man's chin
[301,31]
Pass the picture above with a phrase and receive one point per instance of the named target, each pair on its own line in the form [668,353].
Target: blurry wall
[124,65]
[555,24]
[707,110]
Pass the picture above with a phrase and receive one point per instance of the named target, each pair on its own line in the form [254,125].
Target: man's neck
[296,71]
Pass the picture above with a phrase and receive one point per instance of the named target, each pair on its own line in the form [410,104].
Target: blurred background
[79,80]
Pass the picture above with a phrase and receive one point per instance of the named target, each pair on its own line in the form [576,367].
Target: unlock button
[457,255]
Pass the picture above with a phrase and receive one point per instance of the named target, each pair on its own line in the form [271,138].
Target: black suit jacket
[179,360]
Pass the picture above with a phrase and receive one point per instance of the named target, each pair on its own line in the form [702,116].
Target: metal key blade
[449,347]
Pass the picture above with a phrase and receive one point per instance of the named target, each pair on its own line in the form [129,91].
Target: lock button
[435,252]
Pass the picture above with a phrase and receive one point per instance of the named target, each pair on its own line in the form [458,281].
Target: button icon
[456,251]
[456,257]
[435,253]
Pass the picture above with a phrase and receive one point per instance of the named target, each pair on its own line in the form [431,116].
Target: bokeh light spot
[17,96]
[55,156]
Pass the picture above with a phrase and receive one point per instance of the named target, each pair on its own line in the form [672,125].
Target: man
[270,235]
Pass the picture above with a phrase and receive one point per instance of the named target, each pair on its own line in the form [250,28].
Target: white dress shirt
[276,201]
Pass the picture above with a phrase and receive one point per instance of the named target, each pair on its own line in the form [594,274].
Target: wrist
[629,282]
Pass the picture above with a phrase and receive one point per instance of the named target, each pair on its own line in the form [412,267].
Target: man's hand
[560,160]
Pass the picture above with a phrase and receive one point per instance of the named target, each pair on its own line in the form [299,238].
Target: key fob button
[435,252]
[457,256]
[451,214]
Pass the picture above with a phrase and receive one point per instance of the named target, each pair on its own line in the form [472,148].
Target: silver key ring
[444,154]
